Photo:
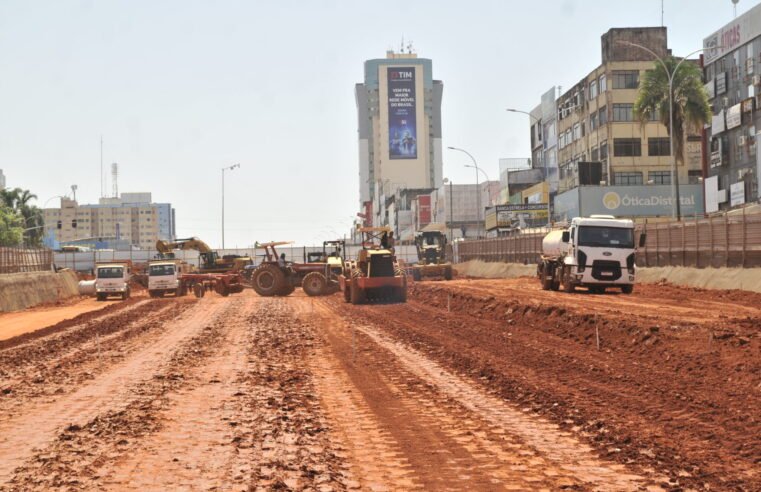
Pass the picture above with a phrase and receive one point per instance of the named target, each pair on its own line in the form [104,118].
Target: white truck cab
[112,279]
[164,278]
[595,252]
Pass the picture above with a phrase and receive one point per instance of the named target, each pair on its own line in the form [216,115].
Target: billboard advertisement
[628,201]
[402,124]
[516,216]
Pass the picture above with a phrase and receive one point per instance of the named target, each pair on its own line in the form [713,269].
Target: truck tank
[553,245]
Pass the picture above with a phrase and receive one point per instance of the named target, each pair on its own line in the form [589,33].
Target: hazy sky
[179,89]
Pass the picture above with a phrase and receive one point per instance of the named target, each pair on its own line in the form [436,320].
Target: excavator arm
[193,243]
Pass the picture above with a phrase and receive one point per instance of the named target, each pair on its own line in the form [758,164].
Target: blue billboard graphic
[402,125]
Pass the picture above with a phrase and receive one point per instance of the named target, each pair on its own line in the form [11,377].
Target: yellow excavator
[209,260]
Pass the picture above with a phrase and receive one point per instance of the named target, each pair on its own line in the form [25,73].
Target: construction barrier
[724,240]
[22,260]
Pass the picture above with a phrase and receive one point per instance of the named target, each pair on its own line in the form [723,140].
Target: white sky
[181,88]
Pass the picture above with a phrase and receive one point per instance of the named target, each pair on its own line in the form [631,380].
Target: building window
[595,154]
[576,132]
[628,178]
[593,89]
[593,122]
[603,115]
[604,150]
[625,79]
[623,112]
[658,146]
[659,177]
[627,147]
[694,176]
[603,84]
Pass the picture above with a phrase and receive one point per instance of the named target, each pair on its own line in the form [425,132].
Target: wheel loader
[376,274]
[431,253]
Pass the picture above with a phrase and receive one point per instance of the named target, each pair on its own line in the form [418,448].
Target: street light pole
[546,170]
[670,75]
[228,168]
[478,189]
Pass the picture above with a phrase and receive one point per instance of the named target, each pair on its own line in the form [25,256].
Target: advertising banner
[640,201]
[712,194]
[736,194]
[733,35]
[402,124]
[734,116]
[516,216]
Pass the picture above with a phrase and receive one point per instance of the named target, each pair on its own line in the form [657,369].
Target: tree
[17,200]
[690,101]
[11,231]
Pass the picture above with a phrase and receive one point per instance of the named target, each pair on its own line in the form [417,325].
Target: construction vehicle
[431,254]
[209,260]
[275,276]
[112,279]
[165,277]
[324,281]
[375,274]
[597,252]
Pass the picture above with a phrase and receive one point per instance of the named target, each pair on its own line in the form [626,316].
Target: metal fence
[726,240]
[85,261]
[19,260]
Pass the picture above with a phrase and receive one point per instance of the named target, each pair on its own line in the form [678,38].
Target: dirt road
[471,385]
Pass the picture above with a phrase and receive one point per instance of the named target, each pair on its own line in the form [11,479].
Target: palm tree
[17,200]
[690,102]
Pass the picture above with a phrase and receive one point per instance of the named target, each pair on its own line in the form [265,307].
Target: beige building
[129,220]
[596,122]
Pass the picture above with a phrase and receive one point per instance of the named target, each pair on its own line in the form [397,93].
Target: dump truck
[431,254]
[596,252]
[112,279]
[165,277]
[376,274]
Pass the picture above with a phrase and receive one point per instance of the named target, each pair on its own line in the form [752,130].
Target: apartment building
[596,123]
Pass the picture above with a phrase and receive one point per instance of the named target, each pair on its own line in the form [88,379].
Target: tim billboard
[402,125]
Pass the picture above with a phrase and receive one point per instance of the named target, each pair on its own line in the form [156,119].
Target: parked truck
[112,279]
[595,252]
[164,277]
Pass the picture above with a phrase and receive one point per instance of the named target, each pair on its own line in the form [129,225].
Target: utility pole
[228,168]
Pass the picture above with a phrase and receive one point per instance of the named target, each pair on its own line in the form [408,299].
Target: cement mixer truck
[597,252]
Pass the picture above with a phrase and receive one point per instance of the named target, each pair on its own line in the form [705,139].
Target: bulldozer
[431,254]
[209,260]
[376,274]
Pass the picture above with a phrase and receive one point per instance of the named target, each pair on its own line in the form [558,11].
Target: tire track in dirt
[448,432]
[196,446]
[48,369]
[109,395]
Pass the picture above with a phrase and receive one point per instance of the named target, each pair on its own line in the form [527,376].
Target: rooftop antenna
[115,179]
[74,191]
[401,46]
[734,4]
[661,13]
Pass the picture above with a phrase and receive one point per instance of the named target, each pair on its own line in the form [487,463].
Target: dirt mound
[483,269]
[23,290]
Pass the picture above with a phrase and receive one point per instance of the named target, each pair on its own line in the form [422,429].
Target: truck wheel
[198,290]
[101,297]
[268,280]
[152,293]
[627,289]
[401,294]
[314,284]
[568,285]
[222,289]
[545,279]
[448,273]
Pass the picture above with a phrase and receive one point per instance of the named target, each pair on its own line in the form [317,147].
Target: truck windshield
[158,270]
[606,237]
[110,272]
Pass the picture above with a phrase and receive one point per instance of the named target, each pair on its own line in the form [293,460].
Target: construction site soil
[470,385]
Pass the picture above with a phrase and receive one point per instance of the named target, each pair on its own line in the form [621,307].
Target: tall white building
[2,179]
[399,127]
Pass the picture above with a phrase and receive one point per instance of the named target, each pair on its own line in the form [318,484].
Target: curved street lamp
[674,174]
[228,168]
[478,188]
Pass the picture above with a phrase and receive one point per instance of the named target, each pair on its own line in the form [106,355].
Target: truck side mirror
[566,236]
[642,240]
